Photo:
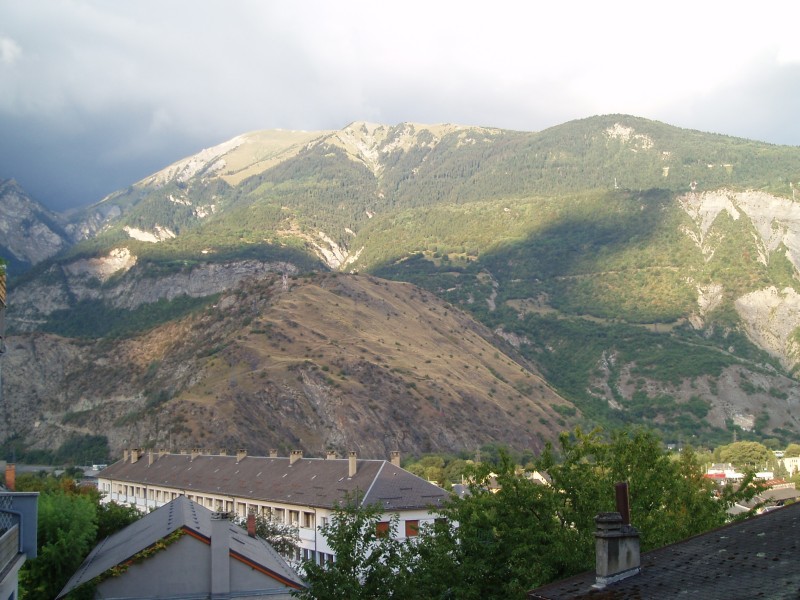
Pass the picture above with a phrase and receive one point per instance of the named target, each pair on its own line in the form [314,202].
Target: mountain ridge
[649,272]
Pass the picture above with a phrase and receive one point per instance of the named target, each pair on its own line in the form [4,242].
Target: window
[308,520]
[294,517]
[412,528]
[279,515]
[324,521]
[382,529]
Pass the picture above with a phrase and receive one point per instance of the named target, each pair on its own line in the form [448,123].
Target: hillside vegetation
[315,362]
[649,272]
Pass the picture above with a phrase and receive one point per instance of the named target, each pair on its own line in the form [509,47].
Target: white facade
[308,518]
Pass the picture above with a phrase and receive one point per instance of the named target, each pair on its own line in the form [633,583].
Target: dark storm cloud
[96,95]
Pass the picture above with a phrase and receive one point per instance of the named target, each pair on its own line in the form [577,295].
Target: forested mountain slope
[650,272]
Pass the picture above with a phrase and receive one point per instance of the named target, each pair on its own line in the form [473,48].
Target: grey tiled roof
[755,558]
[311,482]
[181,513]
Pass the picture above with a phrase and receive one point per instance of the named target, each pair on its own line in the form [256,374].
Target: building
[183,550]
[754,558]
[18,521]
[791,464]
[295,490]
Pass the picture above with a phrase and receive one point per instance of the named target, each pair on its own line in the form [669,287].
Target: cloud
[140,83]
[10,51]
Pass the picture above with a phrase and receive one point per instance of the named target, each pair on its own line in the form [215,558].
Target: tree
[792,450]
[367,563]
[528,534]
[71,521]
[750,455]
[67,528]
[281,536]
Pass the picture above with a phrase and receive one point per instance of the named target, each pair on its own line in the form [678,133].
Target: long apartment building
[294,490]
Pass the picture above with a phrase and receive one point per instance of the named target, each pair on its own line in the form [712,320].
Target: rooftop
[315,482]
[180,514]
[754,558]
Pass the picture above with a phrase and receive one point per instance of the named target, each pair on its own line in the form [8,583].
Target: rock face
[771,317]
[31,303]
[28,231]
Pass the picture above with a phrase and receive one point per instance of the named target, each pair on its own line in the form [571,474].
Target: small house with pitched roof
[183,550]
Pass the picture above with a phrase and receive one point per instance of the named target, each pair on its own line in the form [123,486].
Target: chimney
[295,456]
[136,453]
[195,453]
[125,455]
[220,555]
[11,477]
[352,467]
[162,452]
[395,457]
[223,452]
[273,453]
[617,549]
[240,454]
[150,458]
[251,524]
[331,455]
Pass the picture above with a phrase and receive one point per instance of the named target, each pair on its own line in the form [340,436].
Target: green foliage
[76,450]
[745,455]
[281,536]
[66,533]
[366,565]
[525,534]
[792,450]
[71,521]
[94,318]
[111,517]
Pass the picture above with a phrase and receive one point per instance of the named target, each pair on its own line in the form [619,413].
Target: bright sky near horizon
[95,95]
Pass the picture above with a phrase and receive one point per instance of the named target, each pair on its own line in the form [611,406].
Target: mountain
[29,233]
[307,362]
[650,273]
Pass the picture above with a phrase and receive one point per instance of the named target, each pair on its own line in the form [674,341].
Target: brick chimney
[11,477]
[616,543]
[162,452]
[295,456]
[150,458]
[223,452]
[125,455]
[136,454]
[251,524]
[395,457]
[351,464]
[330,455]
[273,453]
[195,453]
[240,454]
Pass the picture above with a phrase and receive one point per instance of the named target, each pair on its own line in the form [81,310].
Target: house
[184,550]
[295,490]
[754,558]
[791,464]
[18,520]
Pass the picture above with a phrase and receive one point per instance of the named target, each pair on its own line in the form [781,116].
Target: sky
[95,95]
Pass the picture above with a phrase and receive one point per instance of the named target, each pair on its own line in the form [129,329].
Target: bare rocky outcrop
[29,231]
[33,302]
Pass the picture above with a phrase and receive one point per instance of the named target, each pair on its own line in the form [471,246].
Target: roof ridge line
[374,479]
